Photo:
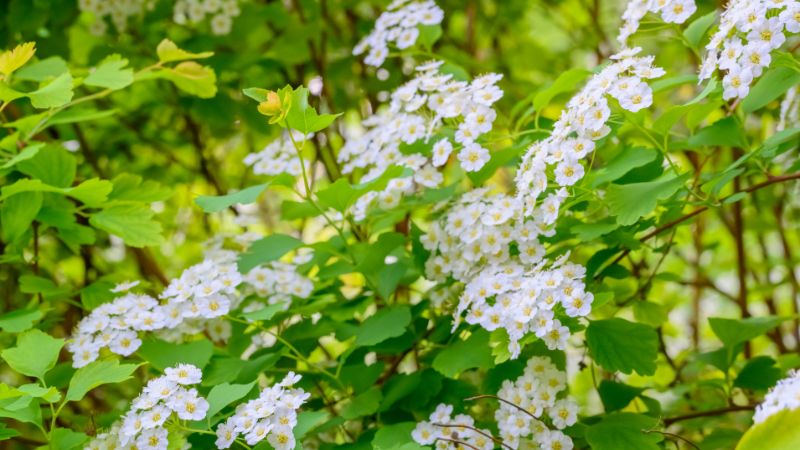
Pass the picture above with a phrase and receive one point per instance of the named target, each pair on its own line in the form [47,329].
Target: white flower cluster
[446,432]
[671,11]
[398,25]
[537,392]
[117,10]
[143,426]
[421,114]
[535,395]
[114,325]
[584,122]
[203,291]
[278,157]
[278,282]
[749,31]
[485,242]
[273,415]
[784,396]
[194,11]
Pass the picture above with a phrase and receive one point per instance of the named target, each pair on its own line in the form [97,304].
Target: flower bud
[270,106]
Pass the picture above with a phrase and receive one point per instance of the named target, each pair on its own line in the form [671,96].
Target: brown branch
[455,425]
[770,181]
[478,397]
[709,413]
[456,441]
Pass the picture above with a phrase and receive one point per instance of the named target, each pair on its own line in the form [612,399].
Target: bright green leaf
[33,342]
[111,74]
[95,374]
[385,324]
[629,202]
[622,346]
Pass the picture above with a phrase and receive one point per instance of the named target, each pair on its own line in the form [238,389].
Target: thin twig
[478,397]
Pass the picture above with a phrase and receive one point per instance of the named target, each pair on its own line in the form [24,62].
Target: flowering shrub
[399,225]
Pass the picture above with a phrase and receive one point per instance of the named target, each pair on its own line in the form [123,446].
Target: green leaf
[396,437]
[695,32]
[341,194]
[365,404]
[33,342]
[66,439]
[168,51]
[54,94]
[772,85]
[42,70]
[210,203]
[650,313]
[17,214]
[111,74]
[385,324]
[615,395]
[92,192]
[192,78]
[28,152]
[131,222]
[73,115]
[631,201]
[428,35]
[778,432]
[566,82]
[303,117]
[20,320]
[162,354]
[619,345]
[267,249]
[724,132]
[307,421]
[624,431]
[257,94]
[472,353]
[760,373]
[129,187]
[265,313]
[53,165]
[95,374]
[737,331]
[224,394]
[628,159]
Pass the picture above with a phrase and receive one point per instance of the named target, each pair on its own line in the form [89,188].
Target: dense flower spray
[399,26]
[671,11]
[749,30]
[193,303]
[271,416]
[484,242]
[118,11]
[165,397]
[527,405]
[447,116]
[584,122]
[279,156]
[222,13]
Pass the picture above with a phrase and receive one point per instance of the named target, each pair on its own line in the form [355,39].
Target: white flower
[125,286]
[184,374]
[473,157]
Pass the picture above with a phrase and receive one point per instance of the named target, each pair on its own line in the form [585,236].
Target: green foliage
[122,159]
[33,342]
[620,345]
[95,374]
[624,431]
